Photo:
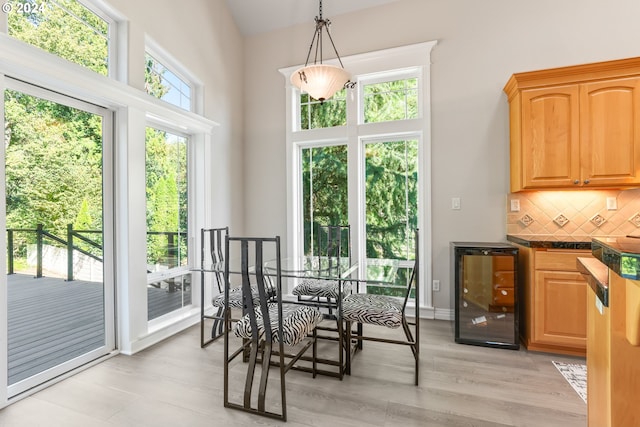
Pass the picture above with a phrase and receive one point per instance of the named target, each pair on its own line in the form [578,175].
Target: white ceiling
[260,16]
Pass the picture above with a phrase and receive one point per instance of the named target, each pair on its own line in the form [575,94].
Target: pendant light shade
[320,81]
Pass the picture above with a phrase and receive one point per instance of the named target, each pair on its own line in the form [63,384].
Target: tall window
[164,84]
[391,193]
[66,28]
[167,222]
[324,189]
[359,158]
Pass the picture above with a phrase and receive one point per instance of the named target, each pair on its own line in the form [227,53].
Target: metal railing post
[39,250]
[172,253]
[69,252]
[10,250]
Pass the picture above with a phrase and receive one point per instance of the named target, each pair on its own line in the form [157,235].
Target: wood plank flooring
[51,321]
[176,383]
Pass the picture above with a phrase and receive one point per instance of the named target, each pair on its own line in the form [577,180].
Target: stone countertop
[548,241]
[620,254]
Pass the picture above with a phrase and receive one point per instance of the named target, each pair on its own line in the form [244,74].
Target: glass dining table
[350,274]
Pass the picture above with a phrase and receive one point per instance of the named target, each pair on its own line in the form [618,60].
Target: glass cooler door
[486,309]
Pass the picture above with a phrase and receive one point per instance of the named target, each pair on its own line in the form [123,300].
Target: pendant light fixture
[321,81]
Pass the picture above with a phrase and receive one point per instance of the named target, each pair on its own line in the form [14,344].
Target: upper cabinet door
[610,132]
[550,137]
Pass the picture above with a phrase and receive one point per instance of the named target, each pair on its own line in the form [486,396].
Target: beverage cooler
[485,277]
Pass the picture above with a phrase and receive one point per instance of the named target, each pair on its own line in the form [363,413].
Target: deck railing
[71,243]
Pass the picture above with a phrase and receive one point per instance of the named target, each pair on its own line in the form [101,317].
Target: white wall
[480,44]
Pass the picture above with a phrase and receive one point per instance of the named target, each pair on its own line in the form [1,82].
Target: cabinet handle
[586,181]
[576,182]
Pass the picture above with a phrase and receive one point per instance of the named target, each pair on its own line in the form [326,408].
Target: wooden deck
[51,321]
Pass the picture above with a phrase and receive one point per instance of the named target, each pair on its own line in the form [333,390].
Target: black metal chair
[212,260]
[333,244]
[268,325]
[387,311]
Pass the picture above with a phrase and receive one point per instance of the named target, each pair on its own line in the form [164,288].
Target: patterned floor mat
[576,375]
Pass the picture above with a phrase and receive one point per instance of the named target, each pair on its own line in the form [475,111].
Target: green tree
[167,202]
[65,28]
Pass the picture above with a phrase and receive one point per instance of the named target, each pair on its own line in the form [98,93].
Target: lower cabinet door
[560,303]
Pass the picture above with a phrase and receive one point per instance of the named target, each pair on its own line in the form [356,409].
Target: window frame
[113,20]
[173,65]
[181,270]
[403,74]
[413,61]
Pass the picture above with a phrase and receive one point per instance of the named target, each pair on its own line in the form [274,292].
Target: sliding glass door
[58,175]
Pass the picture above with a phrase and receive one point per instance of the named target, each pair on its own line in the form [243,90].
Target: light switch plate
[612,203]
[455,203]
[515,205]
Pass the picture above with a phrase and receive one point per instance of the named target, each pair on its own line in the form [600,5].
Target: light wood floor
[176,383]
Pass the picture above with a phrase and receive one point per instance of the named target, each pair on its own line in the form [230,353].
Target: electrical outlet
[436,285]
[612,203]
[515,205]
[455,203]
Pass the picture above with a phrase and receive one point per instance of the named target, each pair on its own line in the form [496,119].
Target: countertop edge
[597,276]
[537,242]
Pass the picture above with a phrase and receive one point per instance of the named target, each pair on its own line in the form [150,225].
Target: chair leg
[341,347]
[251,370]
[216,329]
[414,348]
[348,342]
[264,376]
[315,353]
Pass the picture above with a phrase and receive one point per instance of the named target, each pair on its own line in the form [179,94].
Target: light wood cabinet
[598,363]
[554,301]
[559,309]
[576,127]
[613,371]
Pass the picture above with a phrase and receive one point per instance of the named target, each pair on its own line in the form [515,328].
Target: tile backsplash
[575,213]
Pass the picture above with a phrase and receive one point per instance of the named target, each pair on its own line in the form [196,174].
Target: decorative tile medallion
[526,220]
[561,220]
[598,220]
[635,220]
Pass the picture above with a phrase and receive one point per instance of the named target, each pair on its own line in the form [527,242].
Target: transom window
[330,113]
[391,100]
[165,84]
[66,28]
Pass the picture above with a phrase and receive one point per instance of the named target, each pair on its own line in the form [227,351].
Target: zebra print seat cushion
[297,322]
[373,309]
[235,299]
[321,288]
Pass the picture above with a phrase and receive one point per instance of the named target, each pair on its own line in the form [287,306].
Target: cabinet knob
[576,182]
[586,181]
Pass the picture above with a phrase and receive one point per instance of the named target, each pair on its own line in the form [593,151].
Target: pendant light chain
[319,80]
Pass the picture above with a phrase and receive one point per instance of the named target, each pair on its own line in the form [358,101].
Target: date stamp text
[25,8]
